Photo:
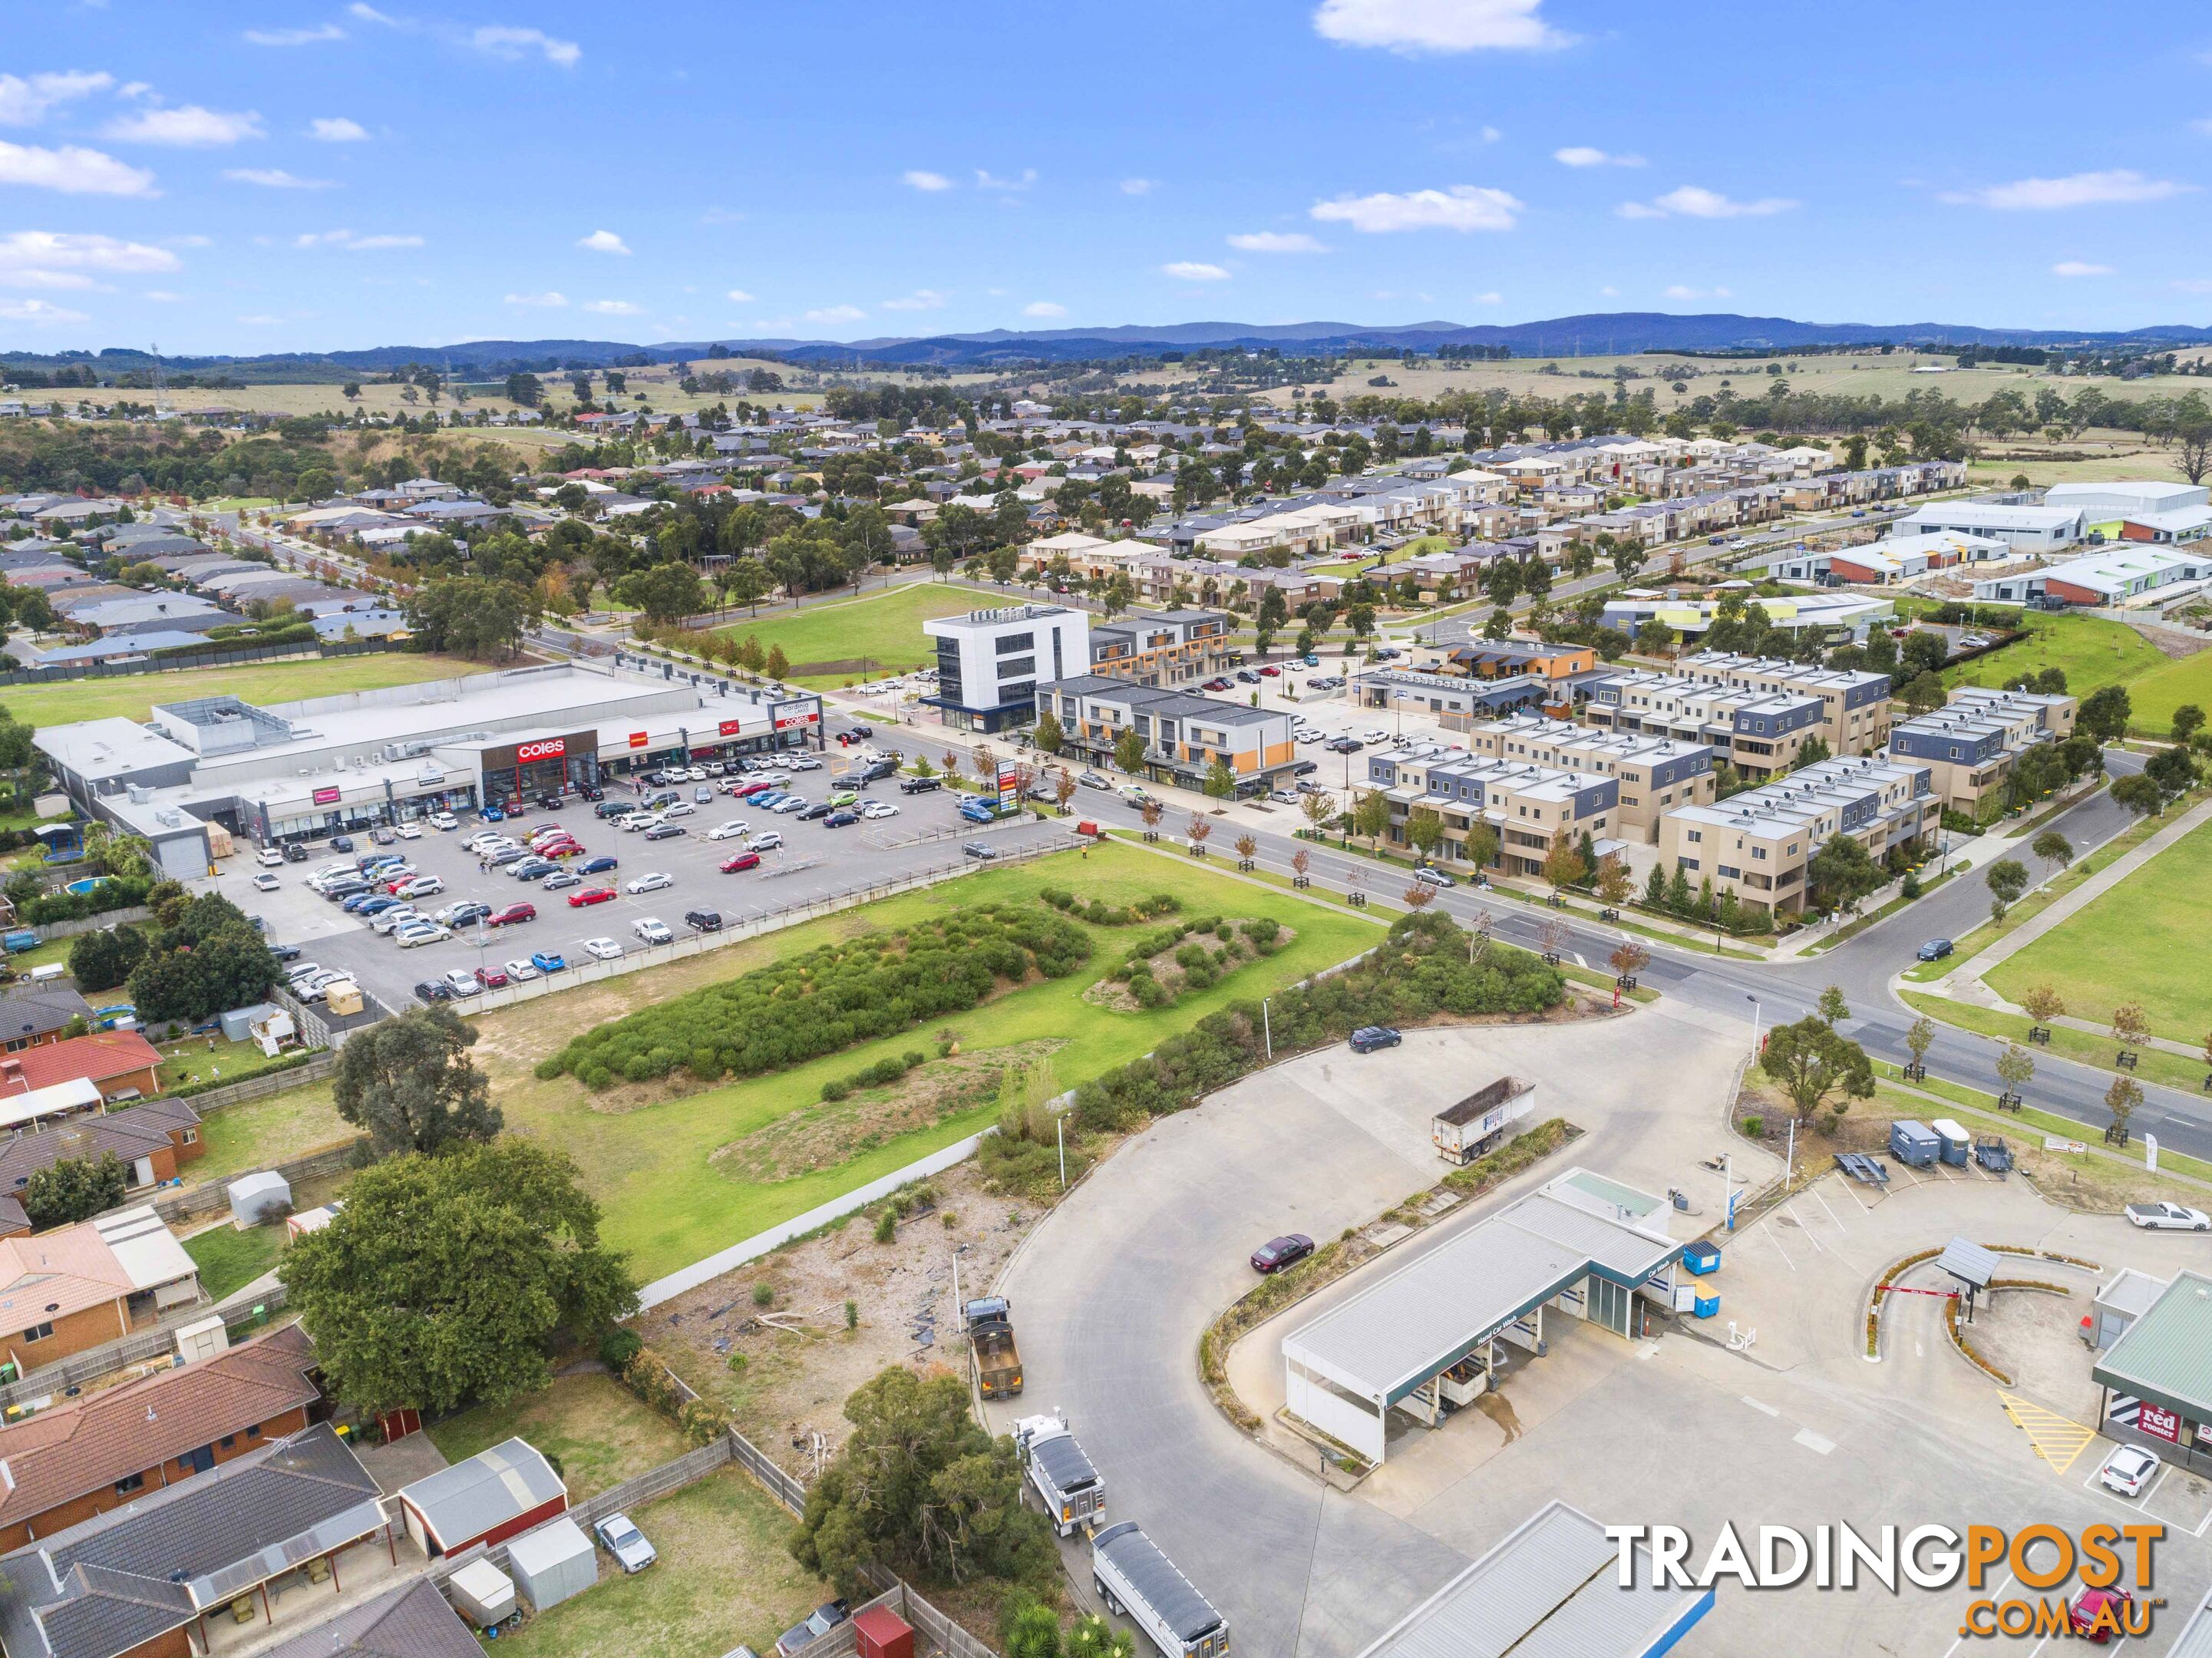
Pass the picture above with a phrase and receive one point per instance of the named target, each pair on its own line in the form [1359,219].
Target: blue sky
[255,177]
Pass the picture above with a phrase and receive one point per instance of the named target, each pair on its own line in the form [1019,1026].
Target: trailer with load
[1464,1132]
[1136,1580]
[1073,1493]
[991,1340]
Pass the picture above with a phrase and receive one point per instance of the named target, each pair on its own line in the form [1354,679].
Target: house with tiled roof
[82,1285]
[414,1621]
[102,1449]
[119,1063]
[151,1139]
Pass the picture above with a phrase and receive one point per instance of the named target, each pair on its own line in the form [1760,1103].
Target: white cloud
[134,88]
[38,311]
[1194,271]
[1043,308]
[1678,292]
[721,216]
[24,100]
[1139,187]
[1462,207]
[68,260]
[75,281]
[299,37]
[991,181]
[922,178]
[740,296]
[191,241]
[517,43]
[273,178]
[369,14]
[2075,190]
[1610,292]
[1418,25]
[2080,267]
[163,296]
[186,126]
[1584,156]
[833,313]
[603,241]
[1277,241]
[614,307]
[347,240]
[1493,298]
[72,170]
[922,299]
[1491,135]
[1693,202]
[336,129]
[550,299]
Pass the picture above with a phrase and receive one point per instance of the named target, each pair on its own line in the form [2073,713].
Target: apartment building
[1757,732]
[1854,703]
[989,663]
[1184,734]
[1758,844]
[1971,744]
[1531,808]
[1162,647]
[1655,774]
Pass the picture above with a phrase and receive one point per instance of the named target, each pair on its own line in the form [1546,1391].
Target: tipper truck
[1134,1578]
[1073,1493]
[991,1339]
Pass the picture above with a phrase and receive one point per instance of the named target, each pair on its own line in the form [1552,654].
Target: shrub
[1755,1127]
[617,1347]
[764,1293]
[835,1089]
[887,1226]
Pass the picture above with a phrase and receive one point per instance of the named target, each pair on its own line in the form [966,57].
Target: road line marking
[1814,1192]
[1759,1404]
[1813,1442]
[2058,1440]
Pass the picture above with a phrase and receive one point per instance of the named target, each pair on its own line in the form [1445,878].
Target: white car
[733,829]
[2128,1470]
[696,773]
[637,821]
[803,762]
[653,882]
[603,949]
[788,804]
[421,932]
[265,882]
[444,820]
[269,858]
[409,831]
[398,916]
[626,1543]
[422,886]
[676,809]
[878,809]
[2168,1217]
[519,970]
[766,841]
[652,930]
[1283,797]
[1378,735]
[462,982]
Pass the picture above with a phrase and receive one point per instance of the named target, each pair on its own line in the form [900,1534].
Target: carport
[1582,1245]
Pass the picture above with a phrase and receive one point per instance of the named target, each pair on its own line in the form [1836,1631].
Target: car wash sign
[1010,787]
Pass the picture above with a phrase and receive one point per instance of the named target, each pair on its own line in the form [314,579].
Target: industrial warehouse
[330,764]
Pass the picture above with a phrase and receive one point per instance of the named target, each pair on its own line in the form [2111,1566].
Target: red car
[560,849]
[2112,1605]
[1272,673]
[751,789]
[512,914]
[491,978]
[590,896]
[743,860]
[1276,1253]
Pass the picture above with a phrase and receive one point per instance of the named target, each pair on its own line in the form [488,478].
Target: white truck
[1137,1580]
[1464,1132]
[1073,1493]
[2168,1217]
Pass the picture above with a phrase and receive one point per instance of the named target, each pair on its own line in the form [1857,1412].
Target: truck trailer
[1073,1493]
[1464,1132]
[1136,1580]
[991,1340]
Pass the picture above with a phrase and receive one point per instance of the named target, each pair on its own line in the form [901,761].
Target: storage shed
[483,1593]
[880,1632]
[553,1563]
[492,1495]
[238,1020]
[257,1198]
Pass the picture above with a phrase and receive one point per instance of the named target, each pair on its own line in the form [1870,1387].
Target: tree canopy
[409,1083]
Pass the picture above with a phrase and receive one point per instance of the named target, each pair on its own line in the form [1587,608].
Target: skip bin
[1705,1306]
[1955,1141]
[880,1632]
[1914,1144]
[1700,1258]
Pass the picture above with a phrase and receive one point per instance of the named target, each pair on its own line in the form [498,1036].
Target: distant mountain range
[1596,334]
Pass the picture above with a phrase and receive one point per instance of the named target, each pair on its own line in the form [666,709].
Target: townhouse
[1758,732]
[1530,808]
[1655,774]
[1505,659]
[1971,744]
[1184,734]
[1759,844]
[1854,702]
[1163,648]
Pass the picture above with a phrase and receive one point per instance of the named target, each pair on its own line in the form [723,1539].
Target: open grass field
[129,696]
[598,1430]
[2140,941]
[2094,653]
[2154,696]
[650,1161]
[229,1260]
[884,626]
[723,1577]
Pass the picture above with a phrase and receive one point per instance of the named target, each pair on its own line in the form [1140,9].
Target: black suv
[434,990]
[703,921]
[1369,1037]
[918,784]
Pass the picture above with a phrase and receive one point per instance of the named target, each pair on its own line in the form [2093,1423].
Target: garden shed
[495,1495]
[257,1198]
[553,1563]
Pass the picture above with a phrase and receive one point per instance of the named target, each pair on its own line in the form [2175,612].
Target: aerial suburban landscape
[751,910]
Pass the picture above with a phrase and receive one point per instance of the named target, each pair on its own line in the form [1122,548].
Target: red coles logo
[552,749]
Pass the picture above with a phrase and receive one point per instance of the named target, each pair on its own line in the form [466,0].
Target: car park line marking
[1818,1246]
[1813,1441]
[1759,1404]
[1996,1595]
[2058,1440]
[2095,1485]
[1814,1192]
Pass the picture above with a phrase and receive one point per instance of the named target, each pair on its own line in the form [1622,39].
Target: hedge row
[829,999]
[1420,971]
[1104,914]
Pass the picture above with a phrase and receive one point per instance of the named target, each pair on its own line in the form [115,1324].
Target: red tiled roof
[103,1054]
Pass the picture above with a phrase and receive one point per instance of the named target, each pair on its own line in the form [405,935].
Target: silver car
[625,1542]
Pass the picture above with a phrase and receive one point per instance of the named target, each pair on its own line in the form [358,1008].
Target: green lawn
[598,1431]
[2094,653]
[649,1161]
[196,1058]
[2083,1047]
[2133,943]
[262,1132]
[725,1576]
[2157,693]
[884,626]
[230,1259]
[129,696]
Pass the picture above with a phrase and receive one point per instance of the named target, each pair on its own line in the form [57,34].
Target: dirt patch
[2033,1338]
[832,1132]
[791,1384]
[1169,968]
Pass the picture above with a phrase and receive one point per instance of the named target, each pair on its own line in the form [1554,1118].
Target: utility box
[1914,1144]
[1954,1144]
[1704,1306]
[342,998]
[880,1632]
[202,1338]
[257,1198]
[553,1564]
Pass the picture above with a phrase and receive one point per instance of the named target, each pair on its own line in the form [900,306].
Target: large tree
[468,616]
[409,1083]
[1810,1063]
[207,956]
[102,960]
[1843,871]
[442,1280]
[72,1190]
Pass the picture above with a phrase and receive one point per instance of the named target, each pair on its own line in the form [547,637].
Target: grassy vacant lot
[2158,693]
[2093,653]
[268,1130]
[2137,943]
[599,1431]
[725,1576]
[886,626]
[129,696]
[230,1259]
[649,1158]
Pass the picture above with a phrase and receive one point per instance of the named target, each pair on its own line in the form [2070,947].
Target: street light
[1755,1011]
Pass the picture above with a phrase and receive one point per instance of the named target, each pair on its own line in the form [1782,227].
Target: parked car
[652,882]
[2128,1470]
[625,1542]
[742,861]
[1434,877]
[814,813]
[1091,780]
[663,832]
[874,810]
[444,820]
[492,978]
[1276,1253]
[464,981]
[603,949]
[1936,949]
[823,1618]
[295,852]
[434,990]
[598,866]
[425,931]
[844,818]
[766,841]
[549,960]
[920,785]
[2097,1613]
[342,843]
[652,930]
[1369,1037]
[508,914]
[562,880]
[520,971]
[591,895]
[979,849]
[265,882]
[2168,1218]
[733,829]
[703,921]
[787,804]
[268,857]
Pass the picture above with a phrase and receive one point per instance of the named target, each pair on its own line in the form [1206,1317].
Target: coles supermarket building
[299,771]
